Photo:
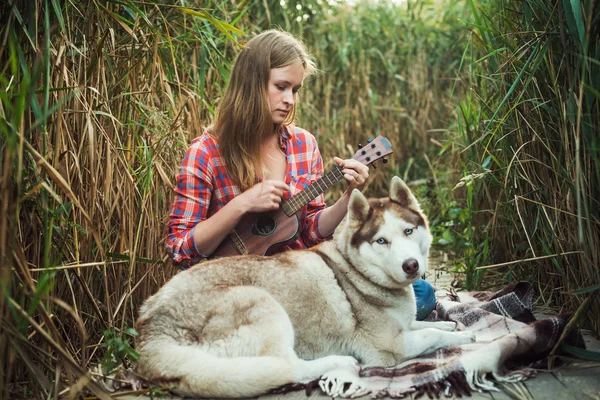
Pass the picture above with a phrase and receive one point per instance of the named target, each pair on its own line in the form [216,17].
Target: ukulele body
[259,233]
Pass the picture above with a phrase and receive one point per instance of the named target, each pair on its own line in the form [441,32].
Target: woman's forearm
[333,215]
[209,233]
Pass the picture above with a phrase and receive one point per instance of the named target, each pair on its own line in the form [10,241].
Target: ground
[576,379]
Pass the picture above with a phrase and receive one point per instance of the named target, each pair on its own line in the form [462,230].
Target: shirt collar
[284,136]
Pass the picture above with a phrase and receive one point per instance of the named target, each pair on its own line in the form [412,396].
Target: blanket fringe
[454,384]
[459,383]
[308,387]
[294,387]
[516,376]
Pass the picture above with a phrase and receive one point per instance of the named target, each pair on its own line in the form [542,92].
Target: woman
[251,157]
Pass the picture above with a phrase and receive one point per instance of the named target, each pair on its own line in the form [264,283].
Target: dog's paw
[448,326]
[312,369]
[465,337]
[335,362]
[343,382]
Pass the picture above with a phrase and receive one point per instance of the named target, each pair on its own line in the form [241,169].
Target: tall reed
[529,145]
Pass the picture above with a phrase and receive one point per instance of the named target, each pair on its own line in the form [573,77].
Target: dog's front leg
[428,340]
[448,326]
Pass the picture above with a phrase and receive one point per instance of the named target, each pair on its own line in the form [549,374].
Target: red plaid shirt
[204,187]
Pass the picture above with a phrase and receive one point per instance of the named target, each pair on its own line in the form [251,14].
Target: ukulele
[263,233]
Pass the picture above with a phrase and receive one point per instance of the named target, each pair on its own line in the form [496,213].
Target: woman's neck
[274,160]
[277,129]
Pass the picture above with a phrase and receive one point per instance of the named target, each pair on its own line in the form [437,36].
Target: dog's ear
[358,208]
[400,193]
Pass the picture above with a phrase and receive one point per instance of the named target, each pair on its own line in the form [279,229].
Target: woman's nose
[288,97]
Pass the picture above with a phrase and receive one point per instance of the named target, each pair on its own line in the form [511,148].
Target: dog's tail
[190,371]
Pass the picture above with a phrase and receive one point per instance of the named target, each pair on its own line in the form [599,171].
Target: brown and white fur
[239,326]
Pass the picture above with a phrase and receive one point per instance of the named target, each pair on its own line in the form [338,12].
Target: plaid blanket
[508,340]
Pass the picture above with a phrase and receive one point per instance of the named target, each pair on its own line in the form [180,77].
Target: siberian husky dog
[240,326]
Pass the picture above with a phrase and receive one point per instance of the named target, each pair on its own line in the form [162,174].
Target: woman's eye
[408,232]
[382,241]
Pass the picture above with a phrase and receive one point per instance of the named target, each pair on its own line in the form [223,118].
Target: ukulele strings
[296,202]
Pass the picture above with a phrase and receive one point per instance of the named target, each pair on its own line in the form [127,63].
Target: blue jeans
[425,298]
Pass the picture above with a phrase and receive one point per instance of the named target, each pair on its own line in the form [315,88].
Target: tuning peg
[360,146]
[369,140]
[384,160]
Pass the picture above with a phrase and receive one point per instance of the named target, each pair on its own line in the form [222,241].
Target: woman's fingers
[281,185]
[355,172]
[352,176]
[278,189]
[266,195]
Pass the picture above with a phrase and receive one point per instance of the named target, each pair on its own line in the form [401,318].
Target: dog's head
[387,239]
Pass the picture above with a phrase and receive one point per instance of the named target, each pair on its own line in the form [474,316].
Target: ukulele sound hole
[264,225]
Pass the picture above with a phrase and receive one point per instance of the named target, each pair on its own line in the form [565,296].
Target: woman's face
[284,84]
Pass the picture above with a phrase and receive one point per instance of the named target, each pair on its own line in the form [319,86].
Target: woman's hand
[264,196]
[355,173]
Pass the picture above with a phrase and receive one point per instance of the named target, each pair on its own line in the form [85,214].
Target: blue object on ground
[425,298]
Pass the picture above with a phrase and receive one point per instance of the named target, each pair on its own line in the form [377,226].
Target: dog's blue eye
[408,232]
[382,241]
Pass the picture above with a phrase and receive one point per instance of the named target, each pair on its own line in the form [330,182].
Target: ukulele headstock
[374,150]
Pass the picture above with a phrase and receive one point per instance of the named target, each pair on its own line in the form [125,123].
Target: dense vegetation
[530,151]
[100,99]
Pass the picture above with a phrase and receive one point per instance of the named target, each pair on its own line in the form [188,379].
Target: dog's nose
[410,266]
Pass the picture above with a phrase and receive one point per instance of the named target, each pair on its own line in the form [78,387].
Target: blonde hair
[243,121]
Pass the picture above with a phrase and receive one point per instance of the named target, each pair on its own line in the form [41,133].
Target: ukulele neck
[299,200]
